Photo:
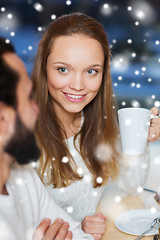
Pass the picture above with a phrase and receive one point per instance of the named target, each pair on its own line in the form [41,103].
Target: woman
[77,129]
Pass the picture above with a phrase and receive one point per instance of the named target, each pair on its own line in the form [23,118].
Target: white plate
[136,221]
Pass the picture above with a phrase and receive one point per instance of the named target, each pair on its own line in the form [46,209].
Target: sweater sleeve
[48,208]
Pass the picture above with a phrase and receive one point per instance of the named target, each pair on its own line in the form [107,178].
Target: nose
[77,82]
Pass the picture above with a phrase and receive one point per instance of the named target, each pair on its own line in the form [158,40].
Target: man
[26,209]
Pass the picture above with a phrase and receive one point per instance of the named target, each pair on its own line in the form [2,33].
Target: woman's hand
[58,230]
[154,130]
[94,225]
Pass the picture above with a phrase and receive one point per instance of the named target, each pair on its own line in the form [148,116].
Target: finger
[93,219]
[62,233]
[155,111]
[155,127]
[151,137]
[154,132]
[53,229]
[97,236]
[155,120]
[96,227]
[41,229]
[100,215]
[69,236]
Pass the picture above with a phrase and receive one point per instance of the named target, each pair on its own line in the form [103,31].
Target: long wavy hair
[100,122]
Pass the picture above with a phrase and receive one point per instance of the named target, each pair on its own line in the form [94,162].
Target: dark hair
[8,77]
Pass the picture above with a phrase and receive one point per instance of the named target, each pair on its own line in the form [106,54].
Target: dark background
[133,29]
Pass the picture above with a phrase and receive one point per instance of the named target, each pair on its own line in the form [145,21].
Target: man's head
[8,77]
[18,111]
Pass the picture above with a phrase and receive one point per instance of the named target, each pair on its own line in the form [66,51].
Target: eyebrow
[92,65]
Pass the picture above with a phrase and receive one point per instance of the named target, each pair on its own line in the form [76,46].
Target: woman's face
[74,72]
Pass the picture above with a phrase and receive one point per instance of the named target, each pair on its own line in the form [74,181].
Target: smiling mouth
[74,97]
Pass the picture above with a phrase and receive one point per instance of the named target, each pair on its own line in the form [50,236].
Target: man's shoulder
[24,172]
[21,168]
[25,178]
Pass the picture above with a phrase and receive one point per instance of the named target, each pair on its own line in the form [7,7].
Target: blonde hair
[96,128]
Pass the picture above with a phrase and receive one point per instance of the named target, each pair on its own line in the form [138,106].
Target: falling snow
[125,53]
[38,7]
[53,16]
[65,159]
[68,2]
[69,209]
[135,60]
[99,179]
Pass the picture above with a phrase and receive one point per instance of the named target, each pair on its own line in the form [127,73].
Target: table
[114,201]
[127,203]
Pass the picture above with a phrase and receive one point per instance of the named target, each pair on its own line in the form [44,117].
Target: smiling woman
[77,128]
[73,90]
[73,81]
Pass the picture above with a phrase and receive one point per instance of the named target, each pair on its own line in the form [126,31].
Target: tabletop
[127,203]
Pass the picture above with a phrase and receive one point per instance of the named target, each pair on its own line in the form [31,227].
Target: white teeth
[73,96]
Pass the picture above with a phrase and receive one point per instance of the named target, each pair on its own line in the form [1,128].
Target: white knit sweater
[79,199]
[26,205]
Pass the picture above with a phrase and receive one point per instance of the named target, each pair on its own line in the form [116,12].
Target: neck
[71,123]
[4,191]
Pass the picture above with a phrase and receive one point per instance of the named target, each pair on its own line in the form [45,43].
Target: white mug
[134,128]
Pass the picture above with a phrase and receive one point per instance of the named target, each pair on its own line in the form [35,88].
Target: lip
[74,97]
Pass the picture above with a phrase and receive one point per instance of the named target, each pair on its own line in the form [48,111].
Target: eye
[62,70]
[92,71]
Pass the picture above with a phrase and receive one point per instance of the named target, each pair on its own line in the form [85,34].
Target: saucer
[136,221]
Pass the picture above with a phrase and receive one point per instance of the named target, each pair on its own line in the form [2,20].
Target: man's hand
[58,230]
[94,225]
[154,131]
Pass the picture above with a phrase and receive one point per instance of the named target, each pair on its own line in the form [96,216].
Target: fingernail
[60,220]
[66,223]
[47,220]
[69,232]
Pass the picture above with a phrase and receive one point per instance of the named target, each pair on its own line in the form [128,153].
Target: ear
[7,119]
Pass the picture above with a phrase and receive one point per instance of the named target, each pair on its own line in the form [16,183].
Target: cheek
[56,82]
[94,84]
